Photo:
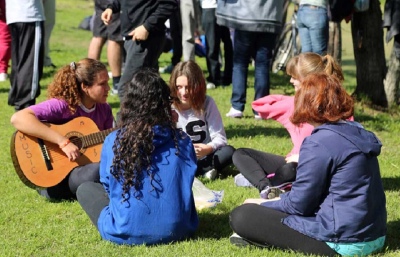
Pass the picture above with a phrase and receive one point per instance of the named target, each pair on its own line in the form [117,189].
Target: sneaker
[211,174]
[3,77]
[233,113]
[237,240]
[273,192]
[241,181]
[166,69]
[257,117]
[211,85]
[114,91]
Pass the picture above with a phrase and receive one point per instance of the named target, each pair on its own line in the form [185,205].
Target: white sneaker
[233,113]
[211,174]
[210,85]
[3,77]
[257,117]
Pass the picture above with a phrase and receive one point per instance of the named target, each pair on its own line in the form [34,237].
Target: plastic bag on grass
[205,197]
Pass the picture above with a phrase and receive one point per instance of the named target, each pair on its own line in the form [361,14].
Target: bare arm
[26,122]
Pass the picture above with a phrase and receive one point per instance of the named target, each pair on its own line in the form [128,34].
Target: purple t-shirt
[57,112]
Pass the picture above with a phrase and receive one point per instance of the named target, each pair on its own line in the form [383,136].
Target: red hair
[320,99]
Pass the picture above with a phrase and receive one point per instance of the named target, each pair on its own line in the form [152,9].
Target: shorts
[112,31]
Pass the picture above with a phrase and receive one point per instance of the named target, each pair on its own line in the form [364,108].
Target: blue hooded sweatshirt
[338,194]
[166,210]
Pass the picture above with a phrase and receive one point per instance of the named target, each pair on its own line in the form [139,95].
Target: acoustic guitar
[41,164]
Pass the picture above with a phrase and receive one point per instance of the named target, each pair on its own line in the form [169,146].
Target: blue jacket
[166,210]
[338,194]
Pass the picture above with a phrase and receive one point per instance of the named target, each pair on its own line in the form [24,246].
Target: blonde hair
[308,63]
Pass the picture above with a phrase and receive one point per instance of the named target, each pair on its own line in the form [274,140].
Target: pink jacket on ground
[280,108]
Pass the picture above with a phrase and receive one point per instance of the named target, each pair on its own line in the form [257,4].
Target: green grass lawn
[33,226]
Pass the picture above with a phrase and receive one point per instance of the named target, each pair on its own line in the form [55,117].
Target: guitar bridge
[45,154]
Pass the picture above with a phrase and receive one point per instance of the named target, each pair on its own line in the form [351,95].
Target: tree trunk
[392,81]
[335,41]
[367,34]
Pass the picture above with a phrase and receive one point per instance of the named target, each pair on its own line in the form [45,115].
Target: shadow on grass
[250,130]
[391,184]
[213,225]
[393,236]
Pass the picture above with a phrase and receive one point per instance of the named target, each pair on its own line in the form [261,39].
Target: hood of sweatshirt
[354,132]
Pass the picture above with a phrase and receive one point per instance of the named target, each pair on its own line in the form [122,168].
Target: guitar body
[40,163]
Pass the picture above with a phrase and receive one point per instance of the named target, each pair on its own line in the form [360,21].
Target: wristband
[65,144]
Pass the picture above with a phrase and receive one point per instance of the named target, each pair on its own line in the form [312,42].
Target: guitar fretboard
[95,138]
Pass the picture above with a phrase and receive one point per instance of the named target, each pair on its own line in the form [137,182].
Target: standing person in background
[78,90]
[5,43]
[147,170]
[175,28]
[313,24]
[50,14]
[214,35]
[255,35]
[200,118]
[112,33]
[189,16]
[143,29]
[337,204]
[26,23]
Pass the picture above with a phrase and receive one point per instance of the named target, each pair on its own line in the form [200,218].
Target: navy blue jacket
[338,194]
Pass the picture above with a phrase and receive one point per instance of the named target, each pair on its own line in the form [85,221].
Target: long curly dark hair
[67,81]
[146,104]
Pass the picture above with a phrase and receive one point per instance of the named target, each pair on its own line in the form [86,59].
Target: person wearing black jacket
[143,30]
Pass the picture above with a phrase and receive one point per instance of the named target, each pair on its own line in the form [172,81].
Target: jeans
[313,25]
[258,45]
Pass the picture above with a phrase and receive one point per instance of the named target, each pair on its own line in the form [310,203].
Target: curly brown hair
[196,82]
[67,81]
[146,104]
[321,99]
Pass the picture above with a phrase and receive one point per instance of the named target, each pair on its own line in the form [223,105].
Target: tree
[367,34]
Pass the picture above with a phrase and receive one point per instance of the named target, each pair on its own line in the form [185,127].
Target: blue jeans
[313,25]
[258,45]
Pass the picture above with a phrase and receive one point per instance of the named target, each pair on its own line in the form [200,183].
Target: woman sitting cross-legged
[337,202]
[147,170]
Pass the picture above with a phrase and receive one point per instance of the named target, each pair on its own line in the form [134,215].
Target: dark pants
[67,188]
[257,165]
[175,23]
[263,226]
[93,198]
[214,35]
[140,54]
[218,160]
[27,50]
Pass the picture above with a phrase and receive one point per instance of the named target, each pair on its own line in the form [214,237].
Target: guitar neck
[95,138]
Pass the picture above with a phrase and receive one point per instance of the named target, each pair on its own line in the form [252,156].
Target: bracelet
[65,144]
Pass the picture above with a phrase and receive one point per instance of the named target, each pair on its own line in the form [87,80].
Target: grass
[33,226]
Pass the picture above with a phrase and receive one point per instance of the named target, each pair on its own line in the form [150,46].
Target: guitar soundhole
[77,141]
